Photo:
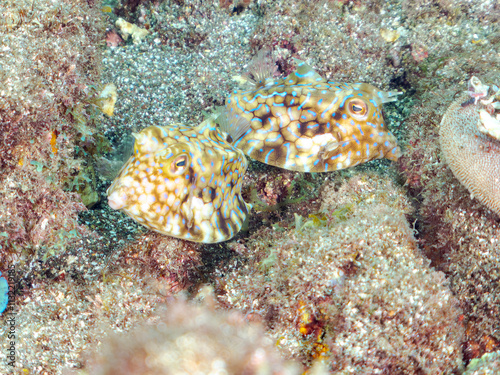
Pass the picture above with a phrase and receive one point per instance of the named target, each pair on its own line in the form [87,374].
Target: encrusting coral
[473,156]
[348,286]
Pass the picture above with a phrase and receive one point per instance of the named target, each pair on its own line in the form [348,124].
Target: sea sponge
[473,157]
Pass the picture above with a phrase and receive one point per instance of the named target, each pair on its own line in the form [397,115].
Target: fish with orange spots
[184,182]
[306,123]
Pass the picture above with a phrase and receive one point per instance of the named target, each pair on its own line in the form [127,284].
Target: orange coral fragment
[53,141]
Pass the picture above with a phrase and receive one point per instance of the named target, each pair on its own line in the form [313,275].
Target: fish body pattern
[306,123]
[184,182]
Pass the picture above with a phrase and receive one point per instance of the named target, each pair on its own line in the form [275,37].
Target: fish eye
[358,109]
[179,164]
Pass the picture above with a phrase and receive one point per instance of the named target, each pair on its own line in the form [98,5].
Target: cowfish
[305,123]
[184,182]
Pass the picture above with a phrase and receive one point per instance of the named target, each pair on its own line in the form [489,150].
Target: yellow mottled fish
[306,123]
[184,182]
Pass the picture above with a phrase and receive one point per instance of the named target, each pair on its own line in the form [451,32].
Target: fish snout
[117,199]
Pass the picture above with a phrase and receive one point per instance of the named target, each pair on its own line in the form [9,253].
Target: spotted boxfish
[184,182]
[306,123]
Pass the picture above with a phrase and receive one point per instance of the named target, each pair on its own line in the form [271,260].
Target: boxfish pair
[186,181]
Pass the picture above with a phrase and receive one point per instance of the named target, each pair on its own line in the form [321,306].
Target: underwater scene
[249,187]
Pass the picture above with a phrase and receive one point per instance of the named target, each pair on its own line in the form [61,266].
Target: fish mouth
[117,200]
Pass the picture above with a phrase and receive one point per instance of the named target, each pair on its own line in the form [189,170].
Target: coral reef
[337,275]
[64,315]
[189,338]
[459,234]
[60,319]
[50,63]
[349,286]
[36,215]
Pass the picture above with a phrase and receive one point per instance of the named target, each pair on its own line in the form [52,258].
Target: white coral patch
[489,125]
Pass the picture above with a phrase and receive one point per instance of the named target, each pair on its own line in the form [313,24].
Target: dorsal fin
[380,96]
[389,96]
[303,75]
[261,69]
[232,124]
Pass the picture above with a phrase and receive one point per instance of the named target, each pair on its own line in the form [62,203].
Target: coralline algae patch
[348,285]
